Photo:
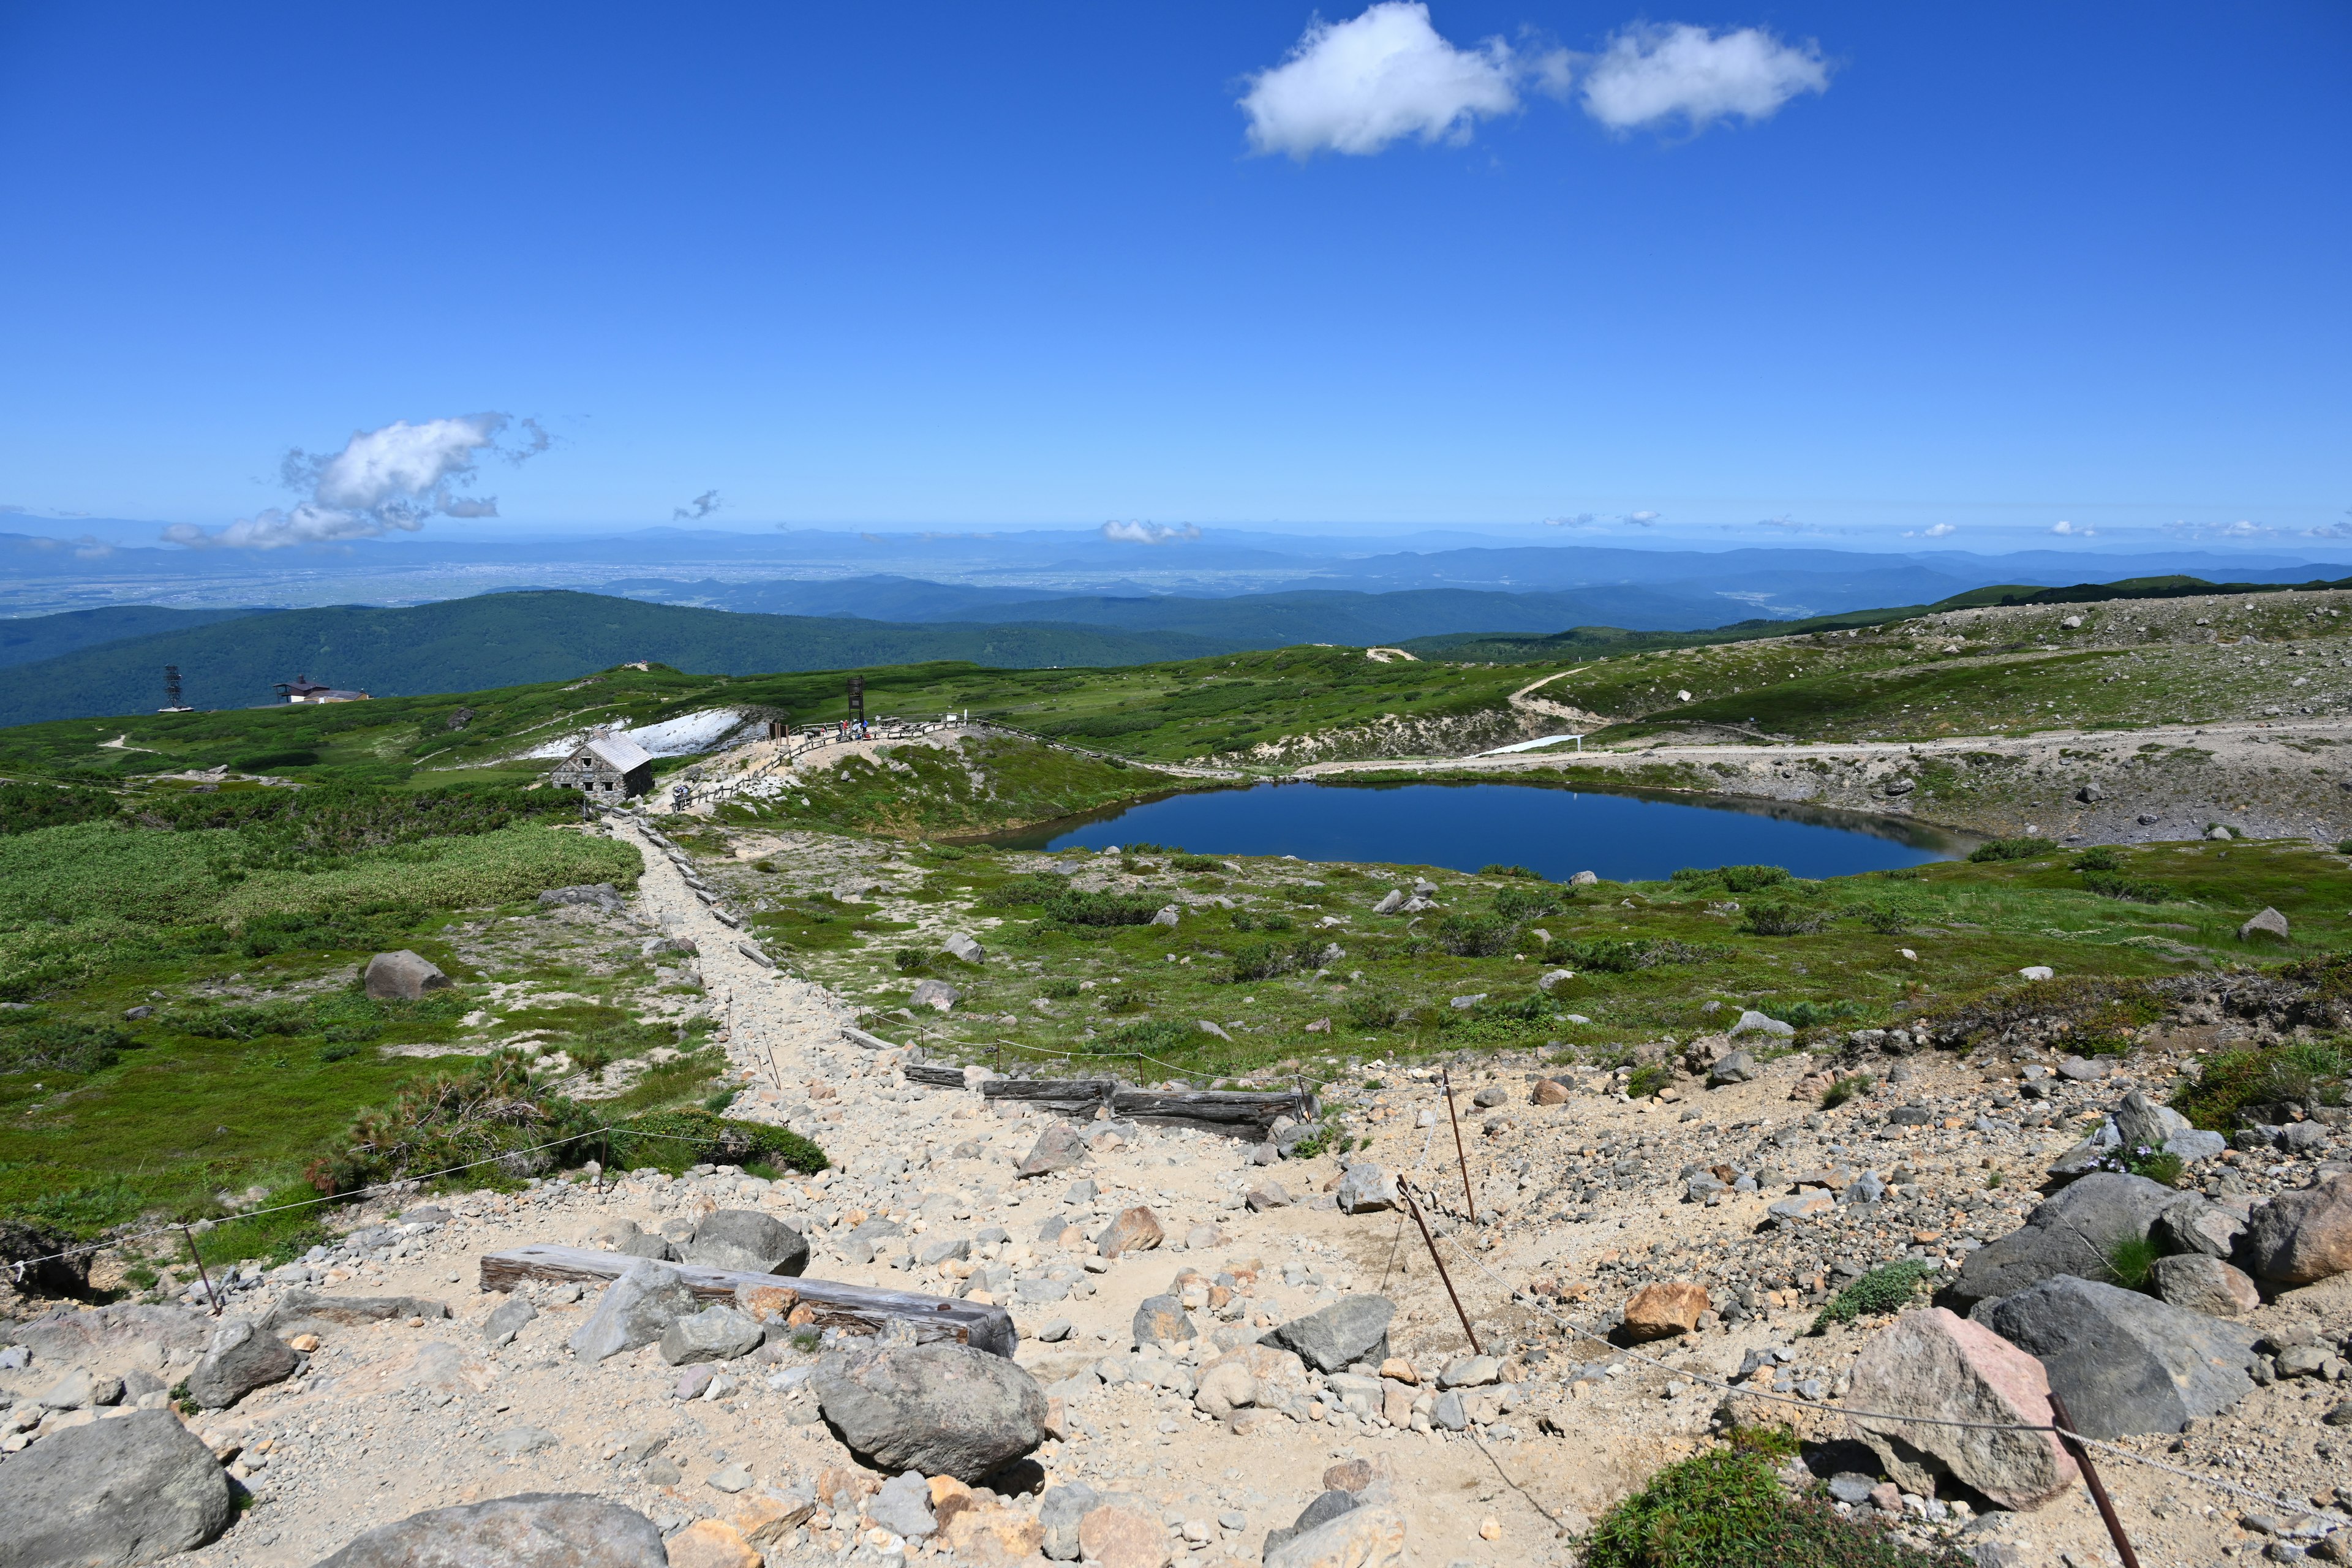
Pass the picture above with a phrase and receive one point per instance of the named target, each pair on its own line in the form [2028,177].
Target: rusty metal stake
[1431,1242]
[2091,1478]
[211,1295]
[1469,1196]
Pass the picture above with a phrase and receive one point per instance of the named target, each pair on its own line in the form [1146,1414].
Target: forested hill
[512,639]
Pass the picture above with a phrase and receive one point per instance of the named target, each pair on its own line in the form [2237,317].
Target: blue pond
[1556,832]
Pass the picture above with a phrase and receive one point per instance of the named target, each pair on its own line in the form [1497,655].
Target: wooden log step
[1070,1096]
[938,1077]
[860,1308]
[1235,1113]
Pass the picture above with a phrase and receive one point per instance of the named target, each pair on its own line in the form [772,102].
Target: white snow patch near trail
[683,736]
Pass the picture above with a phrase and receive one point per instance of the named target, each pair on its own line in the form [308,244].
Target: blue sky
[1996,268]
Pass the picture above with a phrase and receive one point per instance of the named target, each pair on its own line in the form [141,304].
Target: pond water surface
[1556,832]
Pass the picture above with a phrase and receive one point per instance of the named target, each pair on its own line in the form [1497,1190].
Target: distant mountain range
[508,639]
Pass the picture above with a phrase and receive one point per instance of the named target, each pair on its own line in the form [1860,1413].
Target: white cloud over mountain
[1653,75]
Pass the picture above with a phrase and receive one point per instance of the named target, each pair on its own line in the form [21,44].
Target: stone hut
[606,767]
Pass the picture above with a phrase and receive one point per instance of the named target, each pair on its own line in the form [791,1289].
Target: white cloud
[1649,75]
[2242,529]
[381,480]
[1357,85]
[1147,532]
[1643,518]
[1582,520]
[2072,531]
[2331,529]
[1940,530]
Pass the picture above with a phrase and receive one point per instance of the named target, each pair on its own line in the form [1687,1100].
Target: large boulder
[2195,1225]
[1352,1328]
[636,1310]
[1058,1148]
[715,1334]
[533,1529]
[942,1409]
[1359,1538]
[2122,1362]
[2299,1237]
[748,1241]
[2196,1283]
[241,1358]
[110,1494]
[401,976]
[1365,1188]
[1935,1366]
[1664,1310]
[2072,1233]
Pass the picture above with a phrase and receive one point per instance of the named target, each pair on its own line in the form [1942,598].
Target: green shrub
[489,1110]
[1647,1079]
[1811,1014]
[1993,849]
[268,1238]
[27,807]
[2129,890]
[1524,903]
[1073,906]
[1034,889]
[1059,990]
[1195,863]
[1613,956]
[1127,999]
[1243,920]
[1883,1289]
[1844,1089]
[912,960]
[1151,1038]
[1371,1007]
[1753,879]
[2099,858]
[2304,1072]
[1264,960]
[1726,1508]
[2130,1260]
[1467,936]
[1779,919]
[673,1139]
[1497,868]
[1888,920]
[32,1043]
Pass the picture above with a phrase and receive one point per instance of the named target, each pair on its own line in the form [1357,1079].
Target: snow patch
[683,736]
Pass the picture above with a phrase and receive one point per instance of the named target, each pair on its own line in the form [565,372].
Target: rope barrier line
[355,1192]
[2287,1505]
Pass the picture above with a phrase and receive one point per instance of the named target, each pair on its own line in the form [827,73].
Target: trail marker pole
[2091,1478]
[212,1297]
[1430,1241]
[1446,1077]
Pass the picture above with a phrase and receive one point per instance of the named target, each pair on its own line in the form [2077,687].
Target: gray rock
[2071,1233]
[1582,880]
[1449,1414]
[2300,1237]
[1064,1507]
[2192,1225]
[1390,902]
[1754,1023]
[516,1441]
[2301,1137]
[241,1358]
[535,1530]
[1326,1508]
[1736,1068]
[1162,1320]
[1209,1027]
[2123,1363]
[903,1506]
[2270,923]
[112,1494]
[2079,1069]
[1267,1195]
[2194,1146]
[634,1309]
[934,994]
[1352,1328]
[2142,1125]
[942,1409]
[748,1241]
[1852,1487]
[403,975]
[1367,1189]
[961,946]
[1493,1095]
[507,1322]
[2197,1283]
[715,1334]
[1058,1148]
